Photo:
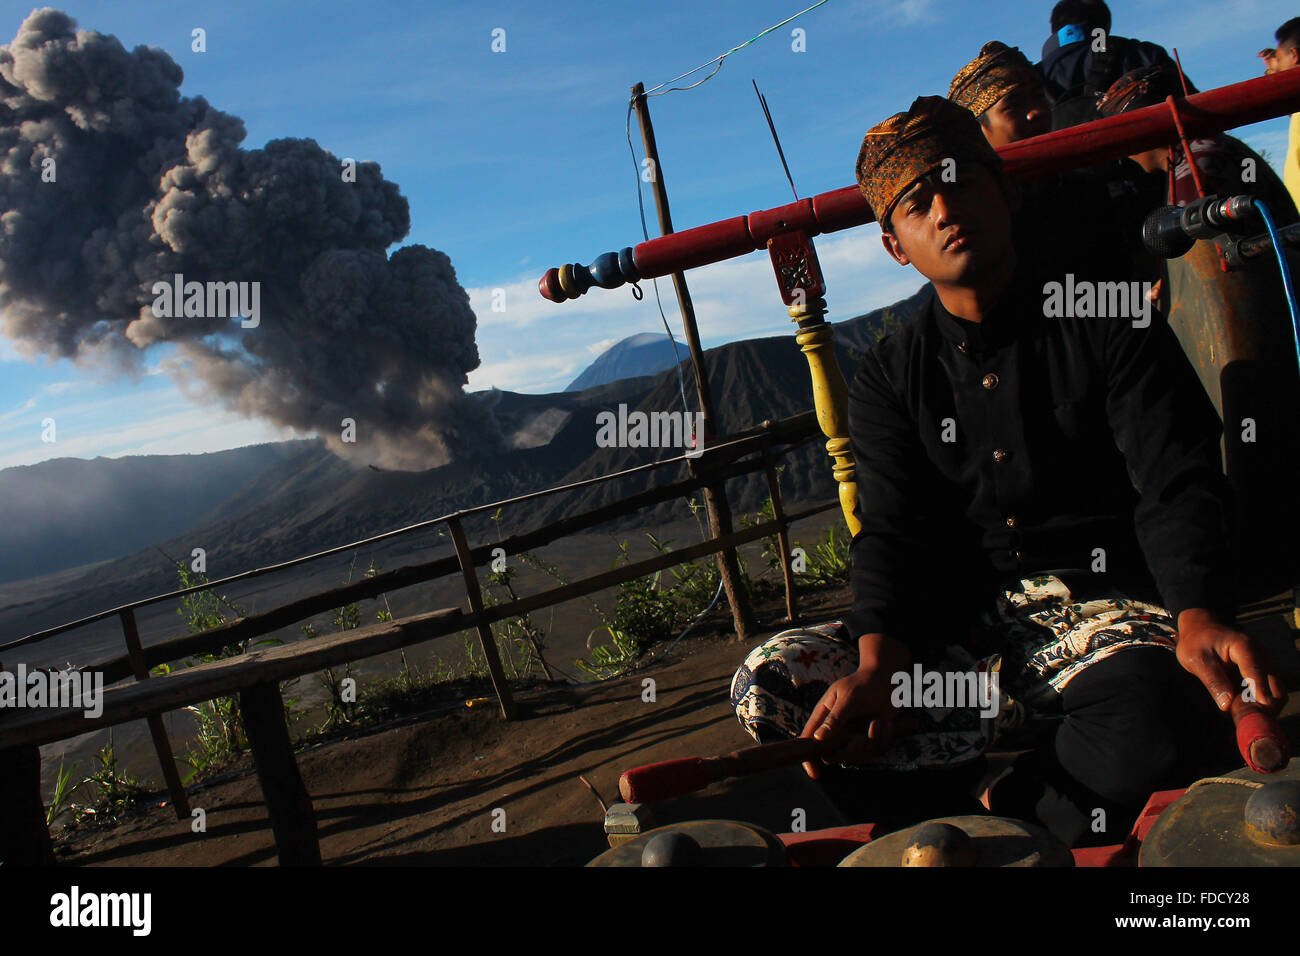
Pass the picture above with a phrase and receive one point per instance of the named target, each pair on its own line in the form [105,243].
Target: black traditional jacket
[986,452]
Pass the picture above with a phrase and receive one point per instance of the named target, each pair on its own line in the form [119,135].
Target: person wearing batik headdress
[1225,165]
[1005,93]
[999,448]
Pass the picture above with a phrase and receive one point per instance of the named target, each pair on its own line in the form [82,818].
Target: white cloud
[596,348]
[10,354]
[1204,24]
[25,407]
[531,373]
[118,407]
[871,14]
[189,431]
[733,299]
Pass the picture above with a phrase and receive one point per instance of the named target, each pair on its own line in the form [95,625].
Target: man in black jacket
[1041,496]
[1081,59]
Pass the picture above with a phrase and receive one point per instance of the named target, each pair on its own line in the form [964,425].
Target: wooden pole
[715,496]
[161,743]
[24,835]
[782,535]
[485,637]
[293,819]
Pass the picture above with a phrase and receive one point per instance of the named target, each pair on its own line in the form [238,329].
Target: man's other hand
[1212,651]
[856,710]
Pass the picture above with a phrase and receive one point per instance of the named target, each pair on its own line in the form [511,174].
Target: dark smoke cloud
[150,183]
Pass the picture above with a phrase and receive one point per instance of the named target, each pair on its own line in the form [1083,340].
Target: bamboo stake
[484,629]
[782,536]
[715,496]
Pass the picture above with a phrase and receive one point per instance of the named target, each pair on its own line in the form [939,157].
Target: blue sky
[517,161]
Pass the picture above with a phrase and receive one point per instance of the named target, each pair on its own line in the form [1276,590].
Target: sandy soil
[425,793]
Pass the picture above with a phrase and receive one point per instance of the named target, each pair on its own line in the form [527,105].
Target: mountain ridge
[309,500]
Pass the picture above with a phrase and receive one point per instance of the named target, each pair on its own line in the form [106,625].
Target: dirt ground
[428,792]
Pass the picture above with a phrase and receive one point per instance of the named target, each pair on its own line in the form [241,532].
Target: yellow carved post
[830,399]
[799,277]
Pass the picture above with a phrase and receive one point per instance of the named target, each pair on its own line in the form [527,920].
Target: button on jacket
[987,451]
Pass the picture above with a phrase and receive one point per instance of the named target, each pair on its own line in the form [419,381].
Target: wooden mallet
[1262,743]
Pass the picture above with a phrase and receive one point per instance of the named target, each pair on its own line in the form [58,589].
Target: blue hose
[1287,284]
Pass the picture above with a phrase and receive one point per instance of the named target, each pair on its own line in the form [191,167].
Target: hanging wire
[645,231]
[640,199]
[718,59]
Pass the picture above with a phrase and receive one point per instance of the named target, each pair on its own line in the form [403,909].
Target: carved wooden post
[799,278]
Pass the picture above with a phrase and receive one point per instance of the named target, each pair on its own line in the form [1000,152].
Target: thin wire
[721,57]
[645,232]
[1287,286]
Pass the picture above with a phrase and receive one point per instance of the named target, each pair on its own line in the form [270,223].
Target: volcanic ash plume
[146,185]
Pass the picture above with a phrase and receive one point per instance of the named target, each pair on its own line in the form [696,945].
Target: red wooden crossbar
[1213,111]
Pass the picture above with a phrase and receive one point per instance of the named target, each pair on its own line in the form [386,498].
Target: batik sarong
[1035,638]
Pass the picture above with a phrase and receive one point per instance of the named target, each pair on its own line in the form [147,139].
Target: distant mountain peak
[646,353]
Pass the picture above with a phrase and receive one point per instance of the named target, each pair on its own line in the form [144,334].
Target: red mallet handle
[675,778]
[1262,742]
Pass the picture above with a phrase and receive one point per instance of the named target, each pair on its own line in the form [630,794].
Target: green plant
[520,639]
[828,562]
[341,708]
[410,690]
[610,660]
[60,802]
[219,726]
[115,792]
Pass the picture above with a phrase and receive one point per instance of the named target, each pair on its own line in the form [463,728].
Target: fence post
[161,744]
[24,835]
[484,630]
[293,819]
[782,535]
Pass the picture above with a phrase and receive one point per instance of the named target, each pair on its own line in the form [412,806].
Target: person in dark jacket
[1220,158]
[1041,497]
[1081,59]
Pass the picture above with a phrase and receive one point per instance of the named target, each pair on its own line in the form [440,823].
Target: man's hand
[859,702]
[1210,650]
[1270,61]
